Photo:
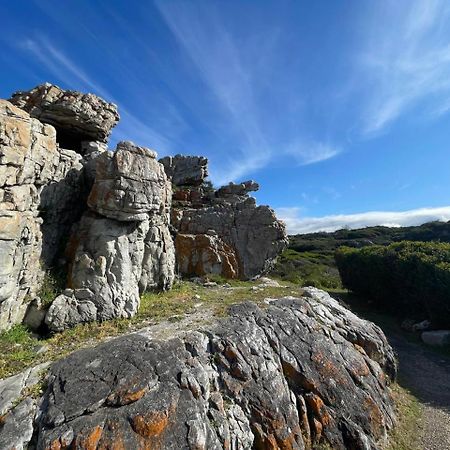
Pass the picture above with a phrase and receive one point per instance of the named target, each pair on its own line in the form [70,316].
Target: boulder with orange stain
[203,254]
[287,376]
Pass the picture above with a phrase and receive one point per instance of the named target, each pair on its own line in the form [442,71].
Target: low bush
[408,278]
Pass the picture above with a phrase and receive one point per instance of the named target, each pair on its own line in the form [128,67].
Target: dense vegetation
[309,260]
[408,278]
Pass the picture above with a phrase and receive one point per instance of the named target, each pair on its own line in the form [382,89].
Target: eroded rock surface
[130,184]
[122,245]
[298,373]
[185,170]
[76,116]
[31,166]
[220,232]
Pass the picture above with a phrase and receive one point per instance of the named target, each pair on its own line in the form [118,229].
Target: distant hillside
[309,259]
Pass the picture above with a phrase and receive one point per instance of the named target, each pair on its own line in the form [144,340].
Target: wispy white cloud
[306,153]
[296,224]
[71,74]
[228,74]
[405,60]
[237,70]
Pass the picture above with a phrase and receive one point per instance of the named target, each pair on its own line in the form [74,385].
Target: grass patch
[52,285]
[20,348]
[409,412]
[16,350]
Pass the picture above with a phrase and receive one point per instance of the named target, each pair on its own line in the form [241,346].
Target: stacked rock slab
[301,373]
[220,232]
[83,123]
[122,244]
[77,117]
[31,164]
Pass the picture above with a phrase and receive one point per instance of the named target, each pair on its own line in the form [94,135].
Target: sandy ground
[427,374]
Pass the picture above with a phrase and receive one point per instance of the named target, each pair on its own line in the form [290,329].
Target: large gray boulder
[76,116]
[122,245]
[18,409]
[253,234]
[300,373]
[130,184]
[104,273]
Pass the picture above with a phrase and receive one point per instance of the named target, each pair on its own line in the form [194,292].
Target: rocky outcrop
[300,373]
[60,187]
[220,232]
[18,407]
[122,245]
[203,254]
[76,117]
[253,232]
[31,167]
[118,205]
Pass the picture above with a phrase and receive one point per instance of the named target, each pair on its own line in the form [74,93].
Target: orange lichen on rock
[89,441]
[319,410]
[151,424]
[203,254]
[327,369]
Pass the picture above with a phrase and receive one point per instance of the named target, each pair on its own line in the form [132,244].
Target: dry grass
[19,348]
[408,412]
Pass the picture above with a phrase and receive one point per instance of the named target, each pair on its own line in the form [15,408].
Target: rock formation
[57,181]
[220,232]
[76,117]
[122,245]
[66,201]
[31,167]
[301,373]
[185,170]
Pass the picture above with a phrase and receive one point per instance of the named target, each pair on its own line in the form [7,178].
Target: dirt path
[427,375]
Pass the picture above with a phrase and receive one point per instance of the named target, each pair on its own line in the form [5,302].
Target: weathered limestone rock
[158,265]
[248,237]
[185,170]
[104,274]
[31,166]
[130,184]
[253,232]
[302,372]
[77,117]
[122,246]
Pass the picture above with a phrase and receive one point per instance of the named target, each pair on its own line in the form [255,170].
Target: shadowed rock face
[301,372]
[185,170]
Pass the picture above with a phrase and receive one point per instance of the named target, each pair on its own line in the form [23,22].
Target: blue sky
[338,109]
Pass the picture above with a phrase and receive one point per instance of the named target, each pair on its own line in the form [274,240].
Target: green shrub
[307,269]
[408,278]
